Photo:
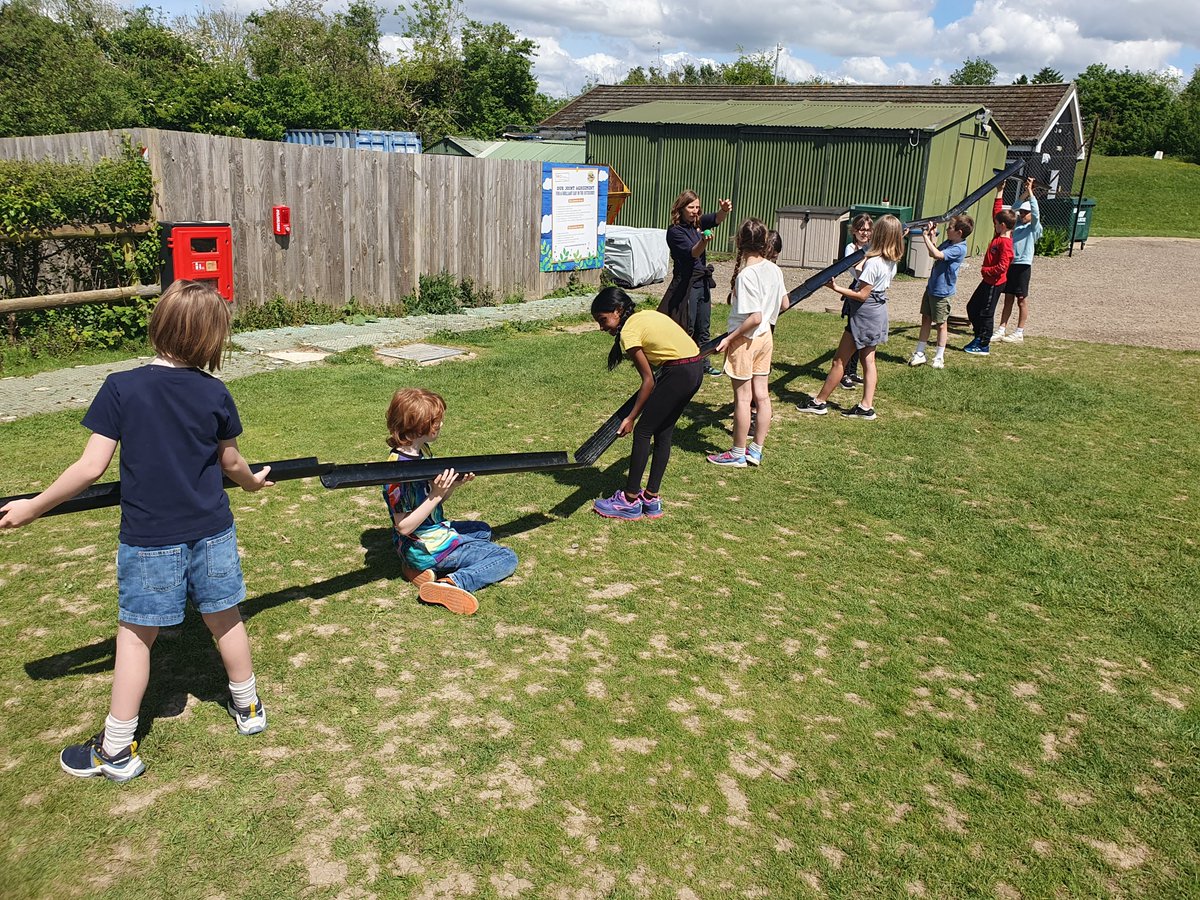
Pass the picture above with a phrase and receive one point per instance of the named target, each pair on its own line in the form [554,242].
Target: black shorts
[1018,280]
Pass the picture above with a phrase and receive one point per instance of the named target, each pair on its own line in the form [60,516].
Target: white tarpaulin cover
[636,256]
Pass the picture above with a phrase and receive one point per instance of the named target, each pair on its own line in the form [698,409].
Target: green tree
[498,87]
[1047,75]
[56,79]
[1021,79]
[1135,108]
[974,70]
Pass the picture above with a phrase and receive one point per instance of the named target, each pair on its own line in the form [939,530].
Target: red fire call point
[281,216]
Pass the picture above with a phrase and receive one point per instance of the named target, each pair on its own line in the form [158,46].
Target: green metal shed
[767,155]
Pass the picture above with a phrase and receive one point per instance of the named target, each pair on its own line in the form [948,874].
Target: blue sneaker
[976,349]
[753,456]
[728,458]
[88,759]
[651,506]
[618,507]
[252,719]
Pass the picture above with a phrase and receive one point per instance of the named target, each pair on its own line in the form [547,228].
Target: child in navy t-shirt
[177,427]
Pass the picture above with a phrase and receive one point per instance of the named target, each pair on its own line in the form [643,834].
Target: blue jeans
[154,583]
[476,562]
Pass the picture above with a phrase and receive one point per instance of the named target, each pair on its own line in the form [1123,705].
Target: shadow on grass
[184,660]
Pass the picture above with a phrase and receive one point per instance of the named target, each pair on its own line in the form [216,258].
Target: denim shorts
[154,583]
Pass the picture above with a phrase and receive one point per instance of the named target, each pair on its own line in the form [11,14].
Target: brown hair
[190,325]
[751,240]
[963,224]
[887,239]
[412,413]
[1007,218]
[681,201]
[774,245]
[859,221]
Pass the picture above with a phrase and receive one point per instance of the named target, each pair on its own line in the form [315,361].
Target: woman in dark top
[688,299]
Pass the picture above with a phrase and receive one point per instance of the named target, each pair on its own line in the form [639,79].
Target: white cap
[1024,207]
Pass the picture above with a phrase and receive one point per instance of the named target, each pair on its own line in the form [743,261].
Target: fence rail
[364,224]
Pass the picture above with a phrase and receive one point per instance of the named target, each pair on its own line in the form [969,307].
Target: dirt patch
[1101,294]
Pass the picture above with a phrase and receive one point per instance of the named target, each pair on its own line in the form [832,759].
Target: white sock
[117,734]
[920,346]
[1020,331]
[245,693]
[940,351]
[738,451]
[757,448]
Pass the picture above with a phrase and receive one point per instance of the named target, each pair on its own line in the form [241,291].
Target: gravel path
[1110,293]
[75,387]
[1100,294]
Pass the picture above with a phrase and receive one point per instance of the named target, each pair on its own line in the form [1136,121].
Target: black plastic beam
[373,473]
[593,448]
[99,496]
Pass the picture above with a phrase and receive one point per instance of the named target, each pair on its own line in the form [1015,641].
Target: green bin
[1062,212]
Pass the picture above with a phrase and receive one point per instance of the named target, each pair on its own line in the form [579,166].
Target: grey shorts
[868,324]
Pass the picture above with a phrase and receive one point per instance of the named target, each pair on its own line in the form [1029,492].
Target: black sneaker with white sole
[809,405]
[857,412]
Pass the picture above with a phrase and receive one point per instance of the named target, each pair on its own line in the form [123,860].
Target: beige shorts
[750,358]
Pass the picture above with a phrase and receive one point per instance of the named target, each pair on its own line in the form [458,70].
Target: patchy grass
[1138,196]
[949,653]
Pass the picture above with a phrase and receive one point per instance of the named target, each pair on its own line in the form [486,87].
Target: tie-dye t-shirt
[433,538]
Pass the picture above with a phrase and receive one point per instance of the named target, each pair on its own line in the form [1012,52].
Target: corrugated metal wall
[762,169]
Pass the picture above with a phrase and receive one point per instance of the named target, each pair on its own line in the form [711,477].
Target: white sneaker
[998,333]
[938,363]
[918,359]
[1015,338]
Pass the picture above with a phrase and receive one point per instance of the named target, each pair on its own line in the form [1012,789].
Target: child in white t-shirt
[758,293]
[867,325]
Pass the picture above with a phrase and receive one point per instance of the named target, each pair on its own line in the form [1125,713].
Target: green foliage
[1134,109]
[749,68]
[442,294]
[56,78]
[1047,75]
[1053,242]
[974,70]
[575,287]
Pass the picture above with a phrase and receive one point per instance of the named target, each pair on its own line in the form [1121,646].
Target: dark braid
[737,265]
[613,299]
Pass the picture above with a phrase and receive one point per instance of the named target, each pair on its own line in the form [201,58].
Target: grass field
[950,653]
[1137,196]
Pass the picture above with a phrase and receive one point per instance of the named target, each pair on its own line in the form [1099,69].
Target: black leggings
[675,387]
[981,310]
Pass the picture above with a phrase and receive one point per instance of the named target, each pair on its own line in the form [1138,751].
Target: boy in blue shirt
[943,282]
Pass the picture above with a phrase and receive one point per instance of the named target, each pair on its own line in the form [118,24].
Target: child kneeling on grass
[448,561]
[178,429]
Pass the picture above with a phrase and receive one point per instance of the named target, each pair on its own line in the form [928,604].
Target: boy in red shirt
[981,308]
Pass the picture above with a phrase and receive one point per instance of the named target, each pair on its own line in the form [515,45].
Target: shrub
[1053,242]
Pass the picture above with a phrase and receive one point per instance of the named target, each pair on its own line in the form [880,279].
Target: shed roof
[1025,111]
[805,114]
[537,150]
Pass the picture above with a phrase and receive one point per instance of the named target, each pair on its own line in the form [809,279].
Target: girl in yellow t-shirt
[648,339]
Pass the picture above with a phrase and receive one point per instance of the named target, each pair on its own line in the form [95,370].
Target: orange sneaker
[445,592]
[415,576]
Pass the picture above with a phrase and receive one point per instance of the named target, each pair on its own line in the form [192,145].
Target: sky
[868,41]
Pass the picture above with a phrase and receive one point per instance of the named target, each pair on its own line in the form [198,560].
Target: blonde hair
[680,202]
[412,413]
[887,239]
[751,240]
[190,324]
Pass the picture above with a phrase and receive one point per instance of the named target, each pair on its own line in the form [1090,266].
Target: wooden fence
[364,224]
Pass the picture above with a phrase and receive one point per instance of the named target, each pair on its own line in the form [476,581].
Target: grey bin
[810,234]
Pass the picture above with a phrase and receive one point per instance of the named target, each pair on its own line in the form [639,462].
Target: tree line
[82,65]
